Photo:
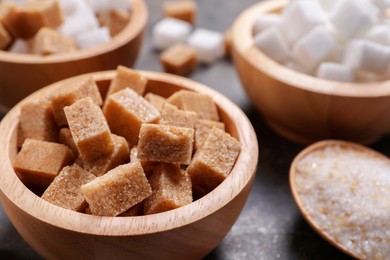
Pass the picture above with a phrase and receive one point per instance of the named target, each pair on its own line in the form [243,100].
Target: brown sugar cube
[5,37]
[118,190]
[36,122]
[136,210]
[71,92]
[114,20]
[39,162]
[213,162]
[65,137]
[200,103]
[171,188]
[203,128]
[171,115]
[148,166]
[184,10]
[48,41]
[126,111]
[89,129]
[156,100]
[65,190]
[25,20]
[165,143]
[101,165]
[179,59]
[127,78]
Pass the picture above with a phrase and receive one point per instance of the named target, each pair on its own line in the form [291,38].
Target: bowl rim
[242,174]
[243,43]
[137,23]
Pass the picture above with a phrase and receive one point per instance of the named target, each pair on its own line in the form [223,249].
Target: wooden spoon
[342,170]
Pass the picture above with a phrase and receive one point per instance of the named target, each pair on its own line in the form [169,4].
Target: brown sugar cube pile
[127,78]
[165,143]
[184,10]
[118,190]
[156,100]
[148,166]
[171,115]
[203,128]
[114,20]
[36,122]
[5,37]
[171,189]
[202,104]
[65,190]
[136,210]
[125,111]
[48,41]
[70,92]
[89,129]
[25,19]
[65,137]
[101,165]
[205,170]
[39,162]
[179,59]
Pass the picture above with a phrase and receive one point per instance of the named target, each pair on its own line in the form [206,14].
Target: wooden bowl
[304,108]
[22,74]
[189,232]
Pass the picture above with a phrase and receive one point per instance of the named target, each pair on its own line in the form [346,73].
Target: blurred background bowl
[22,74]
[189,232]
[302,108]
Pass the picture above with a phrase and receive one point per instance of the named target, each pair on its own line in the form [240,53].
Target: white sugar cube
[209,45]
[99,6]
[353,17]
[335,71]
[170,31]
[68,7]
[367,55]
[379,33]
[265,21]
[328,5]
[381,3]
[299,17]
[121,4]
[315,46]
[19,46]
[84,19]
[93,38]
[273,44]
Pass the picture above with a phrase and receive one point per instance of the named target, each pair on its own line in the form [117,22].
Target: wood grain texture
[303,108]
[22,74]
[189,232]
[294,189]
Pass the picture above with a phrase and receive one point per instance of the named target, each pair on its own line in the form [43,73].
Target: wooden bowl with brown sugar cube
[92,169]
[301,107]
[24,73]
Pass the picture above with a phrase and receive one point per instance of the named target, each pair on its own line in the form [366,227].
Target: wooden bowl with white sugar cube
[305,91]
[120,35]
[188,232]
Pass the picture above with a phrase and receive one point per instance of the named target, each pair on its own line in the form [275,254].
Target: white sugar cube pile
[208,44]
[81,23]
[170,31]
[341,40]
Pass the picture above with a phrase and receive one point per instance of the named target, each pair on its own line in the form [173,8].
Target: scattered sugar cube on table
[208,44]
[170,31]
[181,9]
